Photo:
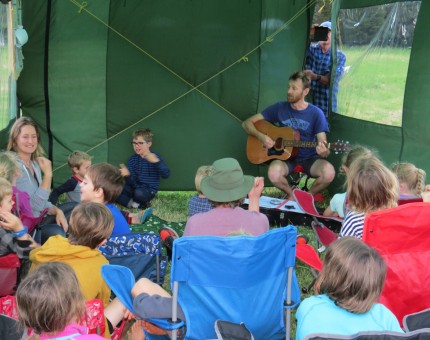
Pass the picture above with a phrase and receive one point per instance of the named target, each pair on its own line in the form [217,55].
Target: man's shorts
[305,163]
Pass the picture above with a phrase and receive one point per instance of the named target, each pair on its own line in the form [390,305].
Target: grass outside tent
[373,86]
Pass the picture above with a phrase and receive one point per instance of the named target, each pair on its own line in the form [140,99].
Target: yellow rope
[83,8]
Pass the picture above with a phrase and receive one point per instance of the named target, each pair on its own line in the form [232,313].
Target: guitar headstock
[340,146]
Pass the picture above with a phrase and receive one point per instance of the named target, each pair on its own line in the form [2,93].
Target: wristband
[20,233]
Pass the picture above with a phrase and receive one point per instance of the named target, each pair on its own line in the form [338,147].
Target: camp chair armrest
[166,324]
[291,305]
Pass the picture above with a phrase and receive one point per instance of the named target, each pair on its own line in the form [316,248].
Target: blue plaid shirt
[197,205]
[320,63]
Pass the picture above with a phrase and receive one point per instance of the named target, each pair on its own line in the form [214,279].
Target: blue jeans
[141,195]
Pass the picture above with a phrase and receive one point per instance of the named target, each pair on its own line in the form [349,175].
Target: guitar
[287,142]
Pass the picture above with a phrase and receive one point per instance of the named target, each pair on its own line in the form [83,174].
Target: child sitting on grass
[371,186]
[79,162]
[51,304]
[199,203]
[411,180]
[14,237]
[102,184]
[142,173]
[338,204]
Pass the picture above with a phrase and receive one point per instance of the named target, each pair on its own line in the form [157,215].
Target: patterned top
[353,225]
[198,204]
[320,63]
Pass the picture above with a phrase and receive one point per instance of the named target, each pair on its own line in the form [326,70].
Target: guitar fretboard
[300,144]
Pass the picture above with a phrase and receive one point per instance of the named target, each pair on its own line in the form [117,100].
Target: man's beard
[294,99]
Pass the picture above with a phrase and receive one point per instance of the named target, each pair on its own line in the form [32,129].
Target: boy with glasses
[142,173]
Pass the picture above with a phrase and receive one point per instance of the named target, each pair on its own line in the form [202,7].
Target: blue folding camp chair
[241,279]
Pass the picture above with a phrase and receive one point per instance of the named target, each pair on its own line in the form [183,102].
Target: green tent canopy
[191,71]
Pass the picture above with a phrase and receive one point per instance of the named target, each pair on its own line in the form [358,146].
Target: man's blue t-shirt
[308,122]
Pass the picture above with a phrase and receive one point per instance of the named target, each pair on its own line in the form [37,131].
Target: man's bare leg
[278,172]
[324,173]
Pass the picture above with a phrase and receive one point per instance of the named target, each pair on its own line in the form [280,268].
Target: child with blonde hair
[50,304]
[14,237]
[9,169]
[371,186]
[79,162]
[199,203]
[411,180]
[347,290]
[338,204]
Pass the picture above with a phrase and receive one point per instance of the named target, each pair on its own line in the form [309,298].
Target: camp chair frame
[421,334]
[415,321]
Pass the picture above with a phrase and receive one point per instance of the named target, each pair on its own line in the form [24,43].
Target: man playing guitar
[310,121]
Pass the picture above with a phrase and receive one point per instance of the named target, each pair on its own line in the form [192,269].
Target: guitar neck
[301,144]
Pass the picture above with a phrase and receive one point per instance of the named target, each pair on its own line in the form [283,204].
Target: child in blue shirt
[142,173]
[102,184]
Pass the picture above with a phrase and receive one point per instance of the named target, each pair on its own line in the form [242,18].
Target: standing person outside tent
[318,69]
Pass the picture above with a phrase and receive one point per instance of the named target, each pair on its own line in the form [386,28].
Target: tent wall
[94,85]
[408,142]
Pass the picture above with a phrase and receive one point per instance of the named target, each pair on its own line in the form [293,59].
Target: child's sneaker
[302,239]
[168,235]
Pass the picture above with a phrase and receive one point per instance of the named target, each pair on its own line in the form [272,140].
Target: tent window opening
[377,43]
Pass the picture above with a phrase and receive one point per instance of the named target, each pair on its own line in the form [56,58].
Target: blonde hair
[8,165]
[90,224]
[202,172]
[354,153]
[5,188]
[353,275]
[145,133]
[108,178]
[76,158]
[414,178]
[371,186]
[16,130]
[50,298]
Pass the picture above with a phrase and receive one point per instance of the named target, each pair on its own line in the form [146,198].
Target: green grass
[373,88]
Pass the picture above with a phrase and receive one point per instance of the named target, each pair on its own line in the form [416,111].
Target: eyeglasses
[138,143]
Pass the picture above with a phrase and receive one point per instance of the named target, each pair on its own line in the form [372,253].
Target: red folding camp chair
[402,236]
[9,271]
[324,235]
